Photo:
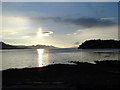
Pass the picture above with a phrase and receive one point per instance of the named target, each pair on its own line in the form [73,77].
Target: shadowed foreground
[104,75]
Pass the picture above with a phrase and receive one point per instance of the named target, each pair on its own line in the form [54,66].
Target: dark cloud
[46,18]
[48,32]
[90,22]
[85,21]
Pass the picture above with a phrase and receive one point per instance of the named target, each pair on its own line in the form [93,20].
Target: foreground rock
[81,76]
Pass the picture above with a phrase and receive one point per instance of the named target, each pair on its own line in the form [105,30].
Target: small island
[100,44]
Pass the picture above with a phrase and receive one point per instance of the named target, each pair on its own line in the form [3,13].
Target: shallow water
[21,58]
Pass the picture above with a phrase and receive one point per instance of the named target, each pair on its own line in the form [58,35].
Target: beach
[102,75]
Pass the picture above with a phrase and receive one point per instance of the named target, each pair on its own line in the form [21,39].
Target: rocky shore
[104,75]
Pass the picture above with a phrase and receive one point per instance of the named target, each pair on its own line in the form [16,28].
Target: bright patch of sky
[69,22]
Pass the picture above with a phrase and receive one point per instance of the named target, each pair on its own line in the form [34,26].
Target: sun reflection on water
[40,57]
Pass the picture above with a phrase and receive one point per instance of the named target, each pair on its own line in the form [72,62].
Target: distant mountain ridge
[100,44]
[7,46]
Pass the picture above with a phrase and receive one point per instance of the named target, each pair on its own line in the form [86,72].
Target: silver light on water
[40,57]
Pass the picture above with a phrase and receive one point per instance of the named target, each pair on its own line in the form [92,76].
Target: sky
[60,0]
[61,24]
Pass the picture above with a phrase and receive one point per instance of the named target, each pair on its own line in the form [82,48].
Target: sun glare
[39,33]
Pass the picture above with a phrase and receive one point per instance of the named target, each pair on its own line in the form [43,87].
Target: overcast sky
[69,22]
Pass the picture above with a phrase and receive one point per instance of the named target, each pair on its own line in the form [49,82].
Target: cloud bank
[82,21]
[90,22]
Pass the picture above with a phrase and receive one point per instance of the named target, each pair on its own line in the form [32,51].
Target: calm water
[39,57]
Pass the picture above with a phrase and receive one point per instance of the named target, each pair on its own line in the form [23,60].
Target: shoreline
[81,75]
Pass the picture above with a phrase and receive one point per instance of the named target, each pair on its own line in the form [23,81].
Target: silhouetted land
[104,75]
[7,46]
[100,44]
[90,44]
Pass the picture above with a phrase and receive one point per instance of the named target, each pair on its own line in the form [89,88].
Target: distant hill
[7,46]
[41,46]
[100,44]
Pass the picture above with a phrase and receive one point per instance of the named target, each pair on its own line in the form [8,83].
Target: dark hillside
[7,46]
[100,44]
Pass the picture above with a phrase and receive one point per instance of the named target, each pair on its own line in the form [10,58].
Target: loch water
[22,58]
